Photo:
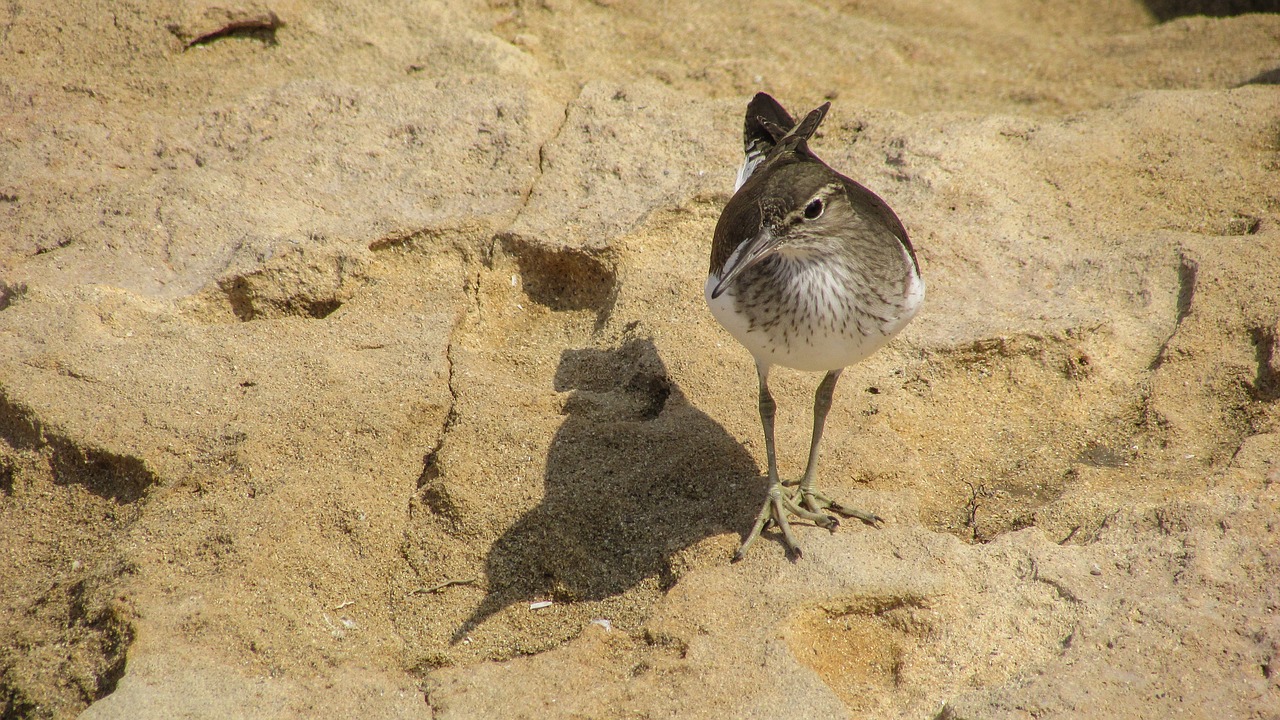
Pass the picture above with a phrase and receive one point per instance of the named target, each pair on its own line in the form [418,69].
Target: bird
[812,271]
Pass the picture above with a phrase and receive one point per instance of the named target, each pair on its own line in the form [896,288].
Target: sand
[337,339]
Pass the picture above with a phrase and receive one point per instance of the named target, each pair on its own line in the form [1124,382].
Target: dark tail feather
[763,111]
[810,124]
[769,128]
[767,122]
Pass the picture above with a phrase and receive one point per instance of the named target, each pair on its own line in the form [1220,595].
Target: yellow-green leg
[778,503]
[806,496]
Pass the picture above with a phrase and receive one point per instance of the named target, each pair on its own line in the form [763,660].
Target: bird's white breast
[830,332]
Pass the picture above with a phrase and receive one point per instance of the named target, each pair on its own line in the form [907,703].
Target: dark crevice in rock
[305,282]
[220,24]
[542,157]
[122,478]
[1164,10]
[565,278]
[432,489]
[249,306]
[1187,271]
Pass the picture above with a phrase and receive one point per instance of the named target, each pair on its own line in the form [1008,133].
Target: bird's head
[796,208]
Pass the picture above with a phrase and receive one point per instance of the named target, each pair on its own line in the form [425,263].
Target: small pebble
[526,40]
[1095,570]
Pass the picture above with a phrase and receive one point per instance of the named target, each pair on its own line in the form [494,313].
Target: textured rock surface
[334,335]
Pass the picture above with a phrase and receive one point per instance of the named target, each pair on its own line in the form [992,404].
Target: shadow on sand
[634,475]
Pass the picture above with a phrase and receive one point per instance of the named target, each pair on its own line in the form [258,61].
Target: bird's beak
[748,253]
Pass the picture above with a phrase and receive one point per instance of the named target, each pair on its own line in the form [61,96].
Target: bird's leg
[777,504]
[807,496]
[772,510]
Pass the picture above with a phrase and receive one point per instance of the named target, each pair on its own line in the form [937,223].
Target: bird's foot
[776,508]
[816,502]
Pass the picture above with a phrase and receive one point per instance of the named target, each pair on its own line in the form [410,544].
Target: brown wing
[868,203]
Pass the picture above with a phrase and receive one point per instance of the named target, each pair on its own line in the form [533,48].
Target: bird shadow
[634,474]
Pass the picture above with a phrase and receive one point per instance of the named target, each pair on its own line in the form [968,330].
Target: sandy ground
[334,336]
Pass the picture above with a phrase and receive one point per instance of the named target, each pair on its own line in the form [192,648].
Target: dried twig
[440,586]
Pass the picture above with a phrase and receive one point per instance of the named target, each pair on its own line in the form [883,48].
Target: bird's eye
[813,210]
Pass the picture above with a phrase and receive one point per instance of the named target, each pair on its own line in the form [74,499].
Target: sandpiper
[809,270]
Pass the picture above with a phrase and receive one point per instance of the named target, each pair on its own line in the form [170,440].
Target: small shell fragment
[539,605]
[604,623]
